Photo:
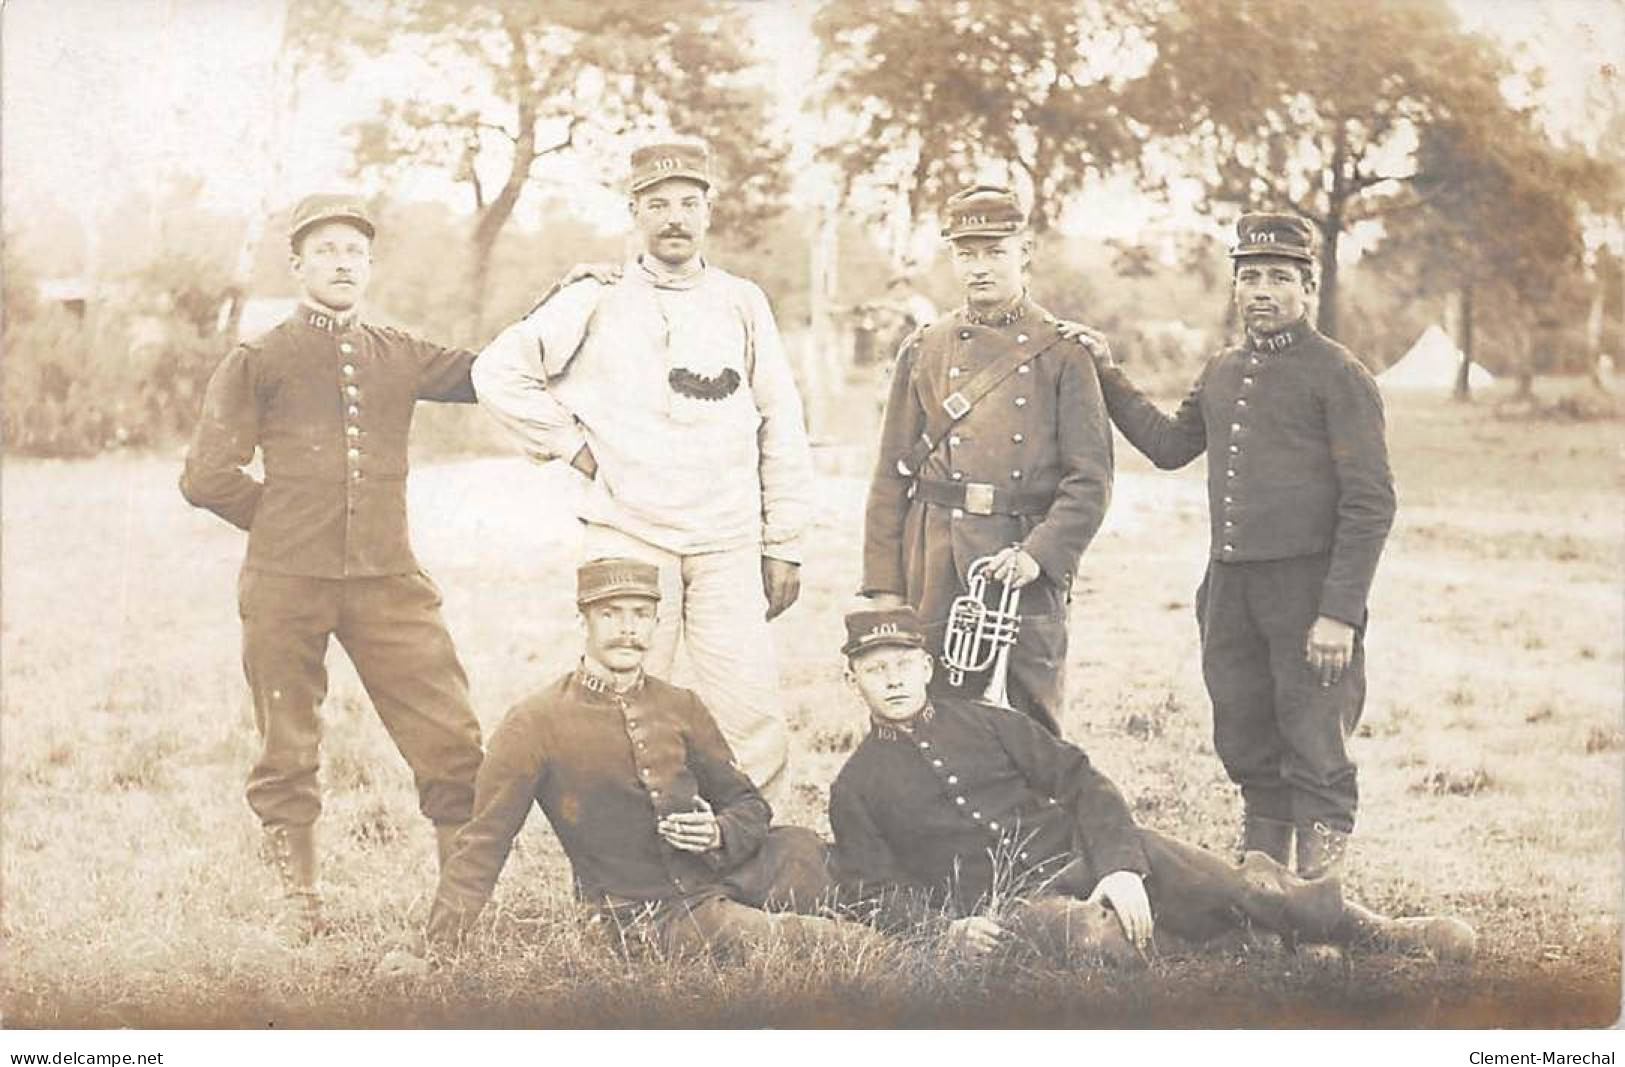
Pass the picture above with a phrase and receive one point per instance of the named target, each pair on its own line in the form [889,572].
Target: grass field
[1490,755]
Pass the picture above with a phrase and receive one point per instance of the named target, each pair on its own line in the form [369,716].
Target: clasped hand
[692,831]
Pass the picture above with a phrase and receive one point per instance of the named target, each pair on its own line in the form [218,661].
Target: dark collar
[318,318]
[1280,340]
[596,689]
[887,730]
[1006,316]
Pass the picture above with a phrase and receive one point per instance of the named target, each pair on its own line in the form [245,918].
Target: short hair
[296,242]
[1306,271]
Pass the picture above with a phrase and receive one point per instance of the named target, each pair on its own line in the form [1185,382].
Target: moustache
[631,643]
[674,231]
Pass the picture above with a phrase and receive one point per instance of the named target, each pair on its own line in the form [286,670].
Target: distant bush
[72,388]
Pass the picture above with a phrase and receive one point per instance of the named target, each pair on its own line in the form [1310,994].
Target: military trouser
[393,632]
[1280,734]
[1194,895]
[773,896]
[714,925]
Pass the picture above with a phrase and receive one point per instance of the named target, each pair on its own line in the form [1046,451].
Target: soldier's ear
[930,666]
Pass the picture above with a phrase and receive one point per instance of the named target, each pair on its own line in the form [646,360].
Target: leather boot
[1289,905]
[1272,837]
[1443,937]
[1320,850]
[291,852]
[445,840]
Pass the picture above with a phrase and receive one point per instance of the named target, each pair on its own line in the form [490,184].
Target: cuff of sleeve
[571,442]
[731,852]
[1050,559]
[787,550]
[1344,607]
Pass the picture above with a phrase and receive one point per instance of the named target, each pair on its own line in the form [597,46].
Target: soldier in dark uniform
[1301,500]
[969,818]
[667,838]
[327,400]
[995,443]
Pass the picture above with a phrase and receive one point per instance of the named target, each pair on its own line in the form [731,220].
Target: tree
[1498,227]
[511,83]
[1314,107]
[936,92]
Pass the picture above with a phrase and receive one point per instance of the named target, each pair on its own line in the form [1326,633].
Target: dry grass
[1490,754]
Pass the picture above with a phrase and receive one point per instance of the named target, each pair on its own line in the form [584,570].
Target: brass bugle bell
[980,635]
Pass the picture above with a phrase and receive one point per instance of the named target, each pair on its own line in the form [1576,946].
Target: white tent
[1432,363]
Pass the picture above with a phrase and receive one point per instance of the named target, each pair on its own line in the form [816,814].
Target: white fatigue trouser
[714,603]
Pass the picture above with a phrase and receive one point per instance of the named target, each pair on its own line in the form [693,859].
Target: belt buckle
[955,405]
[979,498]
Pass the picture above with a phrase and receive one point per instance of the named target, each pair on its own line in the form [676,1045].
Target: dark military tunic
[968,800]
[1293,429]
[328,404]
[971,810]
[1038,445]
[604,767]
[1301,500]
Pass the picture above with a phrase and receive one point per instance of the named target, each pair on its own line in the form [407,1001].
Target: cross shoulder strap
[957,404]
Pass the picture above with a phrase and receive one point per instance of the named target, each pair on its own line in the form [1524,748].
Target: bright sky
[101,98]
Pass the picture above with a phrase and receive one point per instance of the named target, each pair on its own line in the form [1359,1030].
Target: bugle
[980,635]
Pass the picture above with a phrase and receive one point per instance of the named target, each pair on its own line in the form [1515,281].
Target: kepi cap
[656,163]
[1261,233]
[318,208]
[600,579]
[983,211]
[875,628]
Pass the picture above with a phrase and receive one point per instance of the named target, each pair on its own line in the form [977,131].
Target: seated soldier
[665,835]
[978,819]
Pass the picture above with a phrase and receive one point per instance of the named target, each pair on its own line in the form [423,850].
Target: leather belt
[980,498]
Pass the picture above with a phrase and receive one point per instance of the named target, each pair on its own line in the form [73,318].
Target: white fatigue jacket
[684,394]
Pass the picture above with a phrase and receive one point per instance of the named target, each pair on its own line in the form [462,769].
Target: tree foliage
[1498,225]
[1334,109]
[936,92]
[1315,107]
[507,84]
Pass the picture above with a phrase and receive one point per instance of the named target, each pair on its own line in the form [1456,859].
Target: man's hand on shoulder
[1093,340]
[781,581]
[602,273]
